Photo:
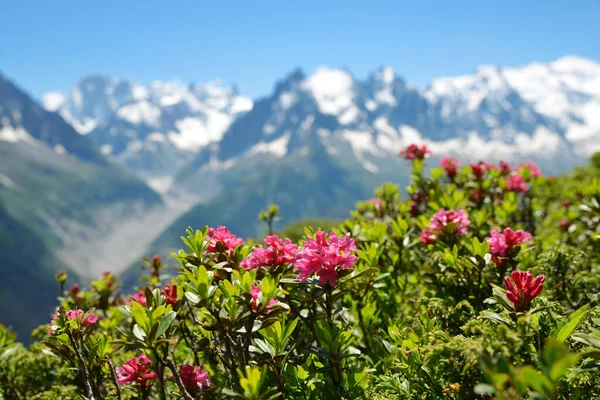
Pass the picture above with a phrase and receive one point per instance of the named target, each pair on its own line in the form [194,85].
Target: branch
[84,370]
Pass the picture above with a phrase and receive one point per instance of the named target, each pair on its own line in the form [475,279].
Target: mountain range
[113,169]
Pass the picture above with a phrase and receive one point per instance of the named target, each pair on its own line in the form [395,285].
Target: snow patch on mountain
[54,100]
[333,90]
[194,133]
[12,134]
[143,112]
[277,147]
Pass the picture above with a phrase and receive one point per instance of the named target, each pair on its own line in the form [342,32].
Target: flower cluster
[73,315]
[136,370]
[504,168]
[502,244]
[170,293]
[325,255]
[222,235]
[450,166]
[278,253]
[194,378]
[446,226]
[516,183]
[415,152]
[480,169]
[524,289]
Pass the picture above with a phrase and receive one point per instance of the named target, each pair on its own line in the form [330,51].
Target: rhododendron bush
[479,280]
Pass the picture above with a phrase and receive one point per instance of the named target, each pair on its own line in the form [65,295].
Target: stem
[161,376]
[84,370]
[113,375]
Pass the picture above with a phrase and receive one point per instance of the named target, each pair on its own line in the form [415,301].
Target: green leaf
[165,323]
[557,359]
[255,327]
[536,380]
[589,339]
[139,333]
[192,298]
[495,317]
[566,329]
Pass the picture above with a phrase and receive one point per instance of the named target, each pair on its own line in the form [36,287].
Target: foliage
[428,297]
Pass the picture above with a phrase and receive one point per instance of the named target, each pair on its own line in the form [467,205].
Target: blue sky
[48,45]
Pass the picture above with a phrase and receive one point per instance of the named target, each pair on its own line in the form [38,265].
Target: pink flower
[415,152]
[222,235]
[502,243]
[74,315]
[450,165]
[325,255]
[55,316]
[74,292]
[170,292]
[140,297]
[194,378]
[136,370]
[77,315]
[516,183]
[277,254]
[504,168]
[271,304]
[428,237]
[450,220]
[255,292]
[446,226]
[524,289]
[480,169]
[531,167]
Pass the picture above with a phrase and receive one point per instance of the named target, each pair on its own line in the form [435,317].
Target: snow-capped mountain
[543,112]
[540,111]
[151,130]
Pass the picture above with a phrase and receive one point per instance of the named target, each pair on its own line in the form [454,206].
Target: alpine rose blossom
[415,152]
[170,293]
[516,183]
[442,220]
[74,315]
[194,378]
[501,244]
[278,253]
[255,292]
[445,225]
[324,255]
[136,370]
[480,169]
[504,168]
[140,297]
[523,289]
[450,166]
[222,235]
[428,237]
